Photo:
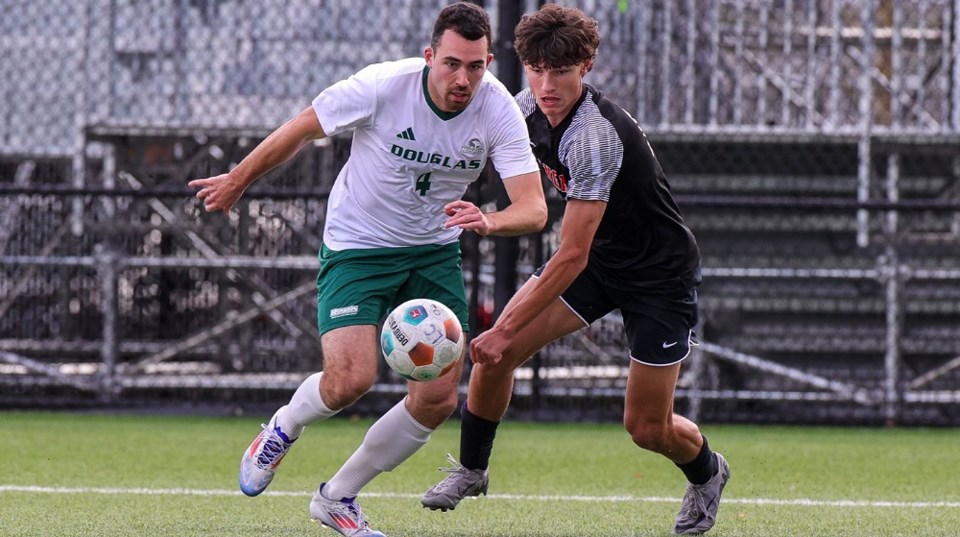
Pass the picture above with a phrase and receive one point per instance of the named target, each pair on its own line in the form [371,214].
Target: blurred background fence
[811,144]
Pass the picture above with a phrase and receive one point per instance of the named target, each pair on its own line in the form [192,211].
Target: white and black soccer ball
[421,339]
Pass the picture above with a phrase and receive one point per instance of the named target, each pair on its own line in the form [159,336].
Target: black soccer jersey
[599,152]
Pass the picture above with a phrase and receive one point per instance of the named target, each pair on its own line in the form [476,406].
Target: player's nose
[460,78]
[547,82]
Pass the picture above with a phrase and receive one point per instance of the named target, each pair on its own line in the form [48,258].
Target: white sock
[391,440]
[305,407]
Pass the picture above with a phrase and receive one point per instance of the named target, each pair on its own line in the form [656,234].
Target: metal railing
[108,107]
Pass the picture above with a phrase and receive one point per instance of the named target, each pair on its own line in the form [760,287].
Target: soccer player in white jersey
[623,246]
[423,129]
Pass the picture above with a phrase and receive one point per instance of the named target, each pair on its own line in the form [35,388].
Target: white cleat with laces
[342,516]
[261,459]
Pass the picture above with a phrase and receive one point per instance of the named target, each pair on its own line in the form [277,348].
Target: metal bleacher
[811,145]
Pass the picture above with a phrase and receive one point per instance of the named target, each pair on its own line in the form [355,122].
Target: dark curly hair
[468,20]
[556,37]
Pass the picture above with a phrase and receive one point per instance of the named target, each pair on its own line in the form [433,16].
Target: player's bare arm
[221,192]
[580,221]
[526,213]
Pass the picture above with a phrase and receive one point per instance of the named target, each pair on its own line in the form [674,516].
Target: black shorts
[659,326]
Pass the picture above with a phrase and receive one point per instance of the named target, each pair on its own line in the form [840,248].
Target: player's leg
[351,287]
[488,397]
[660,338]
[653,425]
[398,434]
[392,439]
[350,367]
[437,275]
[431,272]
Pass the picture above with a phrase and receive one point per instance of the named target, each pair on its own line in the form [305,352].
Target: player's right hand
[218,193]
[488,347]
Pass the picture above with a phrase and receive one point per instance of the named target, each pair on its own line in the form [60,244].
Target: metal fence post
[108,272]
[866,122]
[891,274]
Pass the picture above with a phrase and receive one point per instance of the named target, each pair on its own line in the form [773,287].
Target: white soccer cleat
[261,459]
[342,516]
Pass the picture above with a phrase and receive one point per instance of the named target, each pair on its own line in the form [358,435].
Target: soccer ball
[421,339]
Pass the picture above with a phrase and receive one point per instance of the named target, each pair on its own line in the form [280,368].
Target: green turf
[149,454]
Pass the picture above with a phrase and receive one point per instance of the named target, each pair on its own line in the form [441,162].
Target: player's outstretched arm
[221,192]
[527,211]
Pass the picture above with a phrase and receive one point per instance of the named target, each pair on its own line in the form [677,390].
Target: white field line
[801,502]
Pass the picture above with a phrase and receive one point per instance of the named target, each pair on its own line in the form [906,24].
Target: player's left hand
[488,347]
[468,216]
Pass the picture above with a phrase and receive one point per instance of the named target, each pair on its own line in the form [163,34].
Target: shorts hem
[573,311]
[691,342]
[641,362]
[328,328]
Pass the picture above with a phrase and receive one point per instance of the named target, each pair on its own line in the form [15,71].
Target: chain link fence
[811,145]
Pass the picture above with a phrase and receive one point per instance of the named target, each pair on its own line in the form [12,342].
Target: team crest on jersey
[473,147]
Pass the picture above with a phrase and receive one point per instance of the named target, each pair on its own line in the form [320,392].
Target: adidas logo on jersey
[407,134]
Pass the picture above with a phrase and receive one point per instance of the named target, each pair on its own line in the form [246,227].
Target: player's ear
[587,66]
[489,59]
[428,55]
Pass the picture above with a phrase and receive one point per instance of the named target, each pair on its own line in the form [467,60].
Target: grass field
[106,475]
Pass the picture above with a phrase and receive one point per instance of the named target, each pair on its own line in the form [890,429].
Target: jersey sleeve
[349,103]
[510,152]
[526,101]
[593,154]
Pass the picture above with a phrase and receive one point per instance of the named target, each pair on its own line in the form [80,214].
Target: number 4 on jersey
[423,184]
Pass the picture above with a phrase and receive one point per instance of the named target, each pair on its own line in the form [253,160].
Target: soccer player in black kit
[623,245]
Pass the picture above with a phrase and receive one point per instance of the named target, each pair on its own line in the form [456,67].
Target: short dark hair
[468,20]
[556,37]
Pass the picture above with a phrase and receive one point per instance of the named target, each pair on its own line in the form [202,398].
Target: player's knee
[445,408]
[648,435]
[440,404]
[433,411]
[492,373]
[344,390]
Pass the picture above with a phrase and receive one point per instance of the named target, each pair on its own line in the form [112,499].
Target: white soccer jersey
[408,158]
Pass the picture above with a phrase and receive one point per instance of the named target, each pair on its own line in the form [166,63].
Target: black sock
[476,439]
[702,467]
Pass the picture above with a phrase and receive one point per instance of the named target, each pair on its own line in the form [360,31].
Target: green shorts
[360,286]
